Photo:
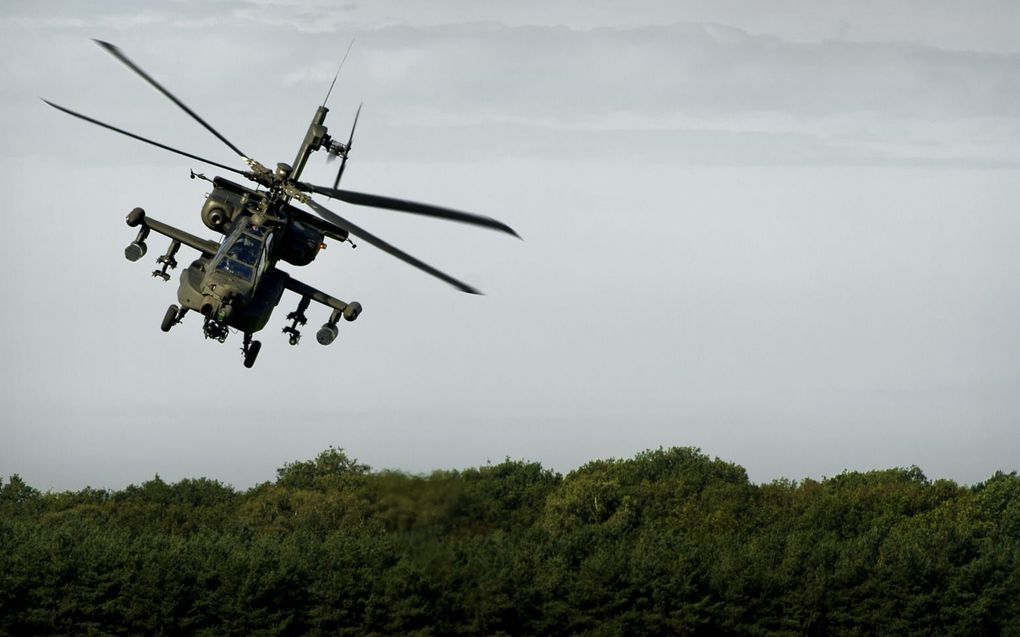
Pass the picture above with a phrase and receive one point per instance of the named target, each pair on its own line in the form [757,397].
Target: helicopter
[235,282]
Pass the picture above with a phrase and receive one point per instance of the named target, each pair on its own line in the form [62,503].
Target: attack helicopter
[235,282]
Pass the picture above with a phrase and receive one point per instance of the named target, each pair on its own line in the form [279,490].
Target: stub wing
[308,292]
[328,332]
[137,217]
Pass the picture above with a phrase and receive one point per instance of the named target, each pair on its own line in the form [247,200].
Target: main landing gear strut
[172,317]
[250,350]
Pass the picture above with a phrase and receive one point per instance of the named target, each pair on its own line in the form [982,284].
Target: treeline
[670,542]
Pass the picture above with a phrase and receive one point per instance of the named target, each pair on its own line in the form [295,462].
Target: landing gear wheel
[252,353]
[170,318]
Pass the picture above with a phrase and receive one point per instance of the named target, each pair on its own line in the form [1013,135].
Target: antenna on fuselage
[338,71]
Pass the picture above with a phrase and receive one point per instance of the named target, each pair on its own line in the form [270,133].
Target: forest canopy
[667,542]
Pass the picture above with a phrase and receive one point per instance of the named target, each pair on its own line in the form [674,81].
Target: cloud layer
[663,91]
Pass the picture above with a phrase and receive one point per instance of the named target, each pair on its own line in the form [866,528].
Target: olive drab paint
[236,283]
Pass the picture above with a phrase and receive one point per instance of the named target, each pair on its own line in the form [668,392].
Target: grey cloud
[713,93]
[563,73]
[687,92]
[707,70]
[705,93]
[690,147]
[300,17]
[843,101]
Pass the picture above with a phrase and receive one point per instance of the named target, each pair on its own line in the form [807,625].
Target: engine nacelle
[301,244]
[227,202]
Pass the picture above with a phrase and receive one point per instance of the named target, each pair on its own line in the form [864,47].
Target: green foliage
[668,542]
[17,496]
[332,469]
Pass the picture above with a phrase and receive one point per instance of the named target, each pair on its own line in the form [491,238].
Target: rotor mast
[315,138]
[284,184]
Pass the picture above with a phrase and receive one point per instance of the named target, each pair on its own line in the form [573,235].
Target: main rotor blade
[413,207]
[117,53]
[339,221]
[142,139]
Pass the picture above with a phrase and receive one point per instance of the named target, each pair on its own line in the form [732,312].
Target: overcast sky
[784,234]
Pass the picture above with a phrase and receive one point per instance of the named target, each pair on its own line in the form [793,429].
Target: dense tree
[668,542]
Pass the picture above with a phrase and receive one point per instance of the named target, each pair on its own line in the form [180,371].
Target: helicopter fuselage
[235,282]
[238,286]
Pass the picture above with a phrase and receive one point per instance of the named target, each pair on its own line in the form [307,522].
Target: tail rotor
[342,150]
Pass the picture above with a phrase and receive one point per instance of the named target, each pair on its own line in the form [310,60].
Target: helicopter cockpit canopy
[243,252]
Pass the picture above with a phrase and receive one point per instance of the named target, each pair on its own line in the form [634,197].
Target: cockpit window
[235,268]
[245,249]
[242,252]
